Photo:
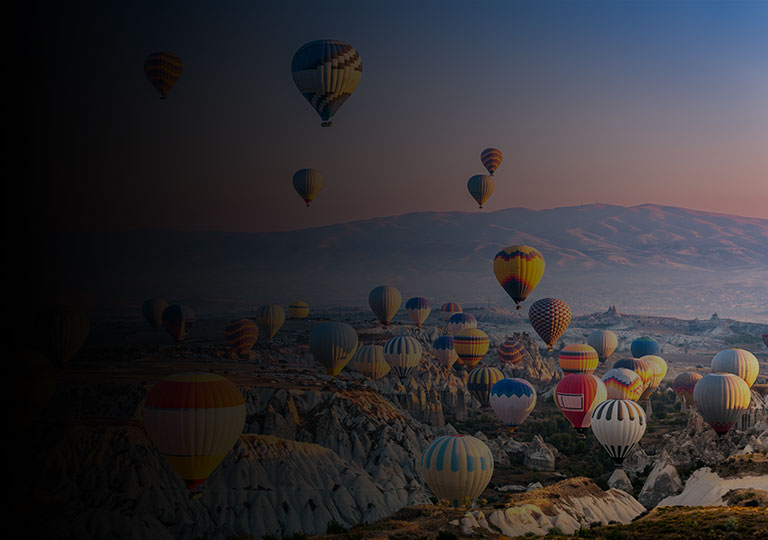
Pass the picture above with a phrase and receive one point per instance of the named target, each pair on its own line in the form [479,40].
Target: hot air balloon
[550,317]
[511,352]
[457,467]
[618,424]
[62,329]
[448,309]
[739,362]
[604,342]
[471,344]
[241,335]
[491,158]
[152,310]
[384,301]
[684,384]
[369,360]
[518,270]
[577,395]
[418,309]
[644,346]
[642,367]
[480,381]
[326,72]
[461,321]
[658,371]
[444,351]
[308,183]
[298,310]
[623,383]
[163,69]
[194,420]
[178,320]
[270,318]
[402,353]
[480,187]
[332,345]
[512,400]
[578,358]
[721,398]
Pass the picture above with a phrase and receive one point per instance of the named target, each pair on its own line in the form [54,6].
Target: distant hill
[648,259]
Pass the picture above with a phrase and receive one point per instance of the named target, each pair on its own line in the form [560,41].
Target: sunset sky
[615,102]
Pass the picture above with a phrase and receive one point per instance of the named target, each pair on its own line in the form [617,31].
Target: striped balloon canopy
[578,358]
[491,158]
[384,301]
[512,400]
[640,366]
[658,372]
[369,360]
[178,320]
[644,346]
[461,321]
[739,362]
[448,309]
[618,424]
[511,352]
[332,345]
[471,344]
[604,342]
[241,335]
[298,310]
[194,420]
[481,380]
[549,317]
[418,309]
[721,398]
[326,72]
[518,270]
[457,468]
[444,351]
[480,187]
[270,318]
[163,69]
[684,384]
[152,309]
[402,353]
[308,183]
[623,383]
[577,395]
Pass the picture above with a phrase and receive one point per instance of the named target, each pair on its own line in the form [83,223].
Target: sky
[613,102]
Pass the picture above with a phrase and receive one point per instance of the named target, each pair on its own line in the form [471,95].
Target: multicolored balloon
[684,384]
[194,420]
[402,353]
[491,158]
[152,310]
[461,321]
[326,72]
[642,367]
[658,372]
[369,360]
[518,270]
[550,317]
[578,358]
[298,310]
[384,302]
[721,398]
[644,346]
[623,383]
[480,187]
[443,347]
[604,342]
[448,309]
[511,352]
[178,320]
[332,345]
[270,318]
[739,362]
[163,69]
[512,400]
[241,335]
[618,424]
[457,467]
[577,395]
[480,381]
[62,329]
[418,309]
[308,183]
[471,344]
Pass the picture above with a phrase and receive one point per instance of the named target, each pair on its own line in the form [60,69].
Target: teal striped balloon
[402,353]
[333,344]
[457,467]
[481,380]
